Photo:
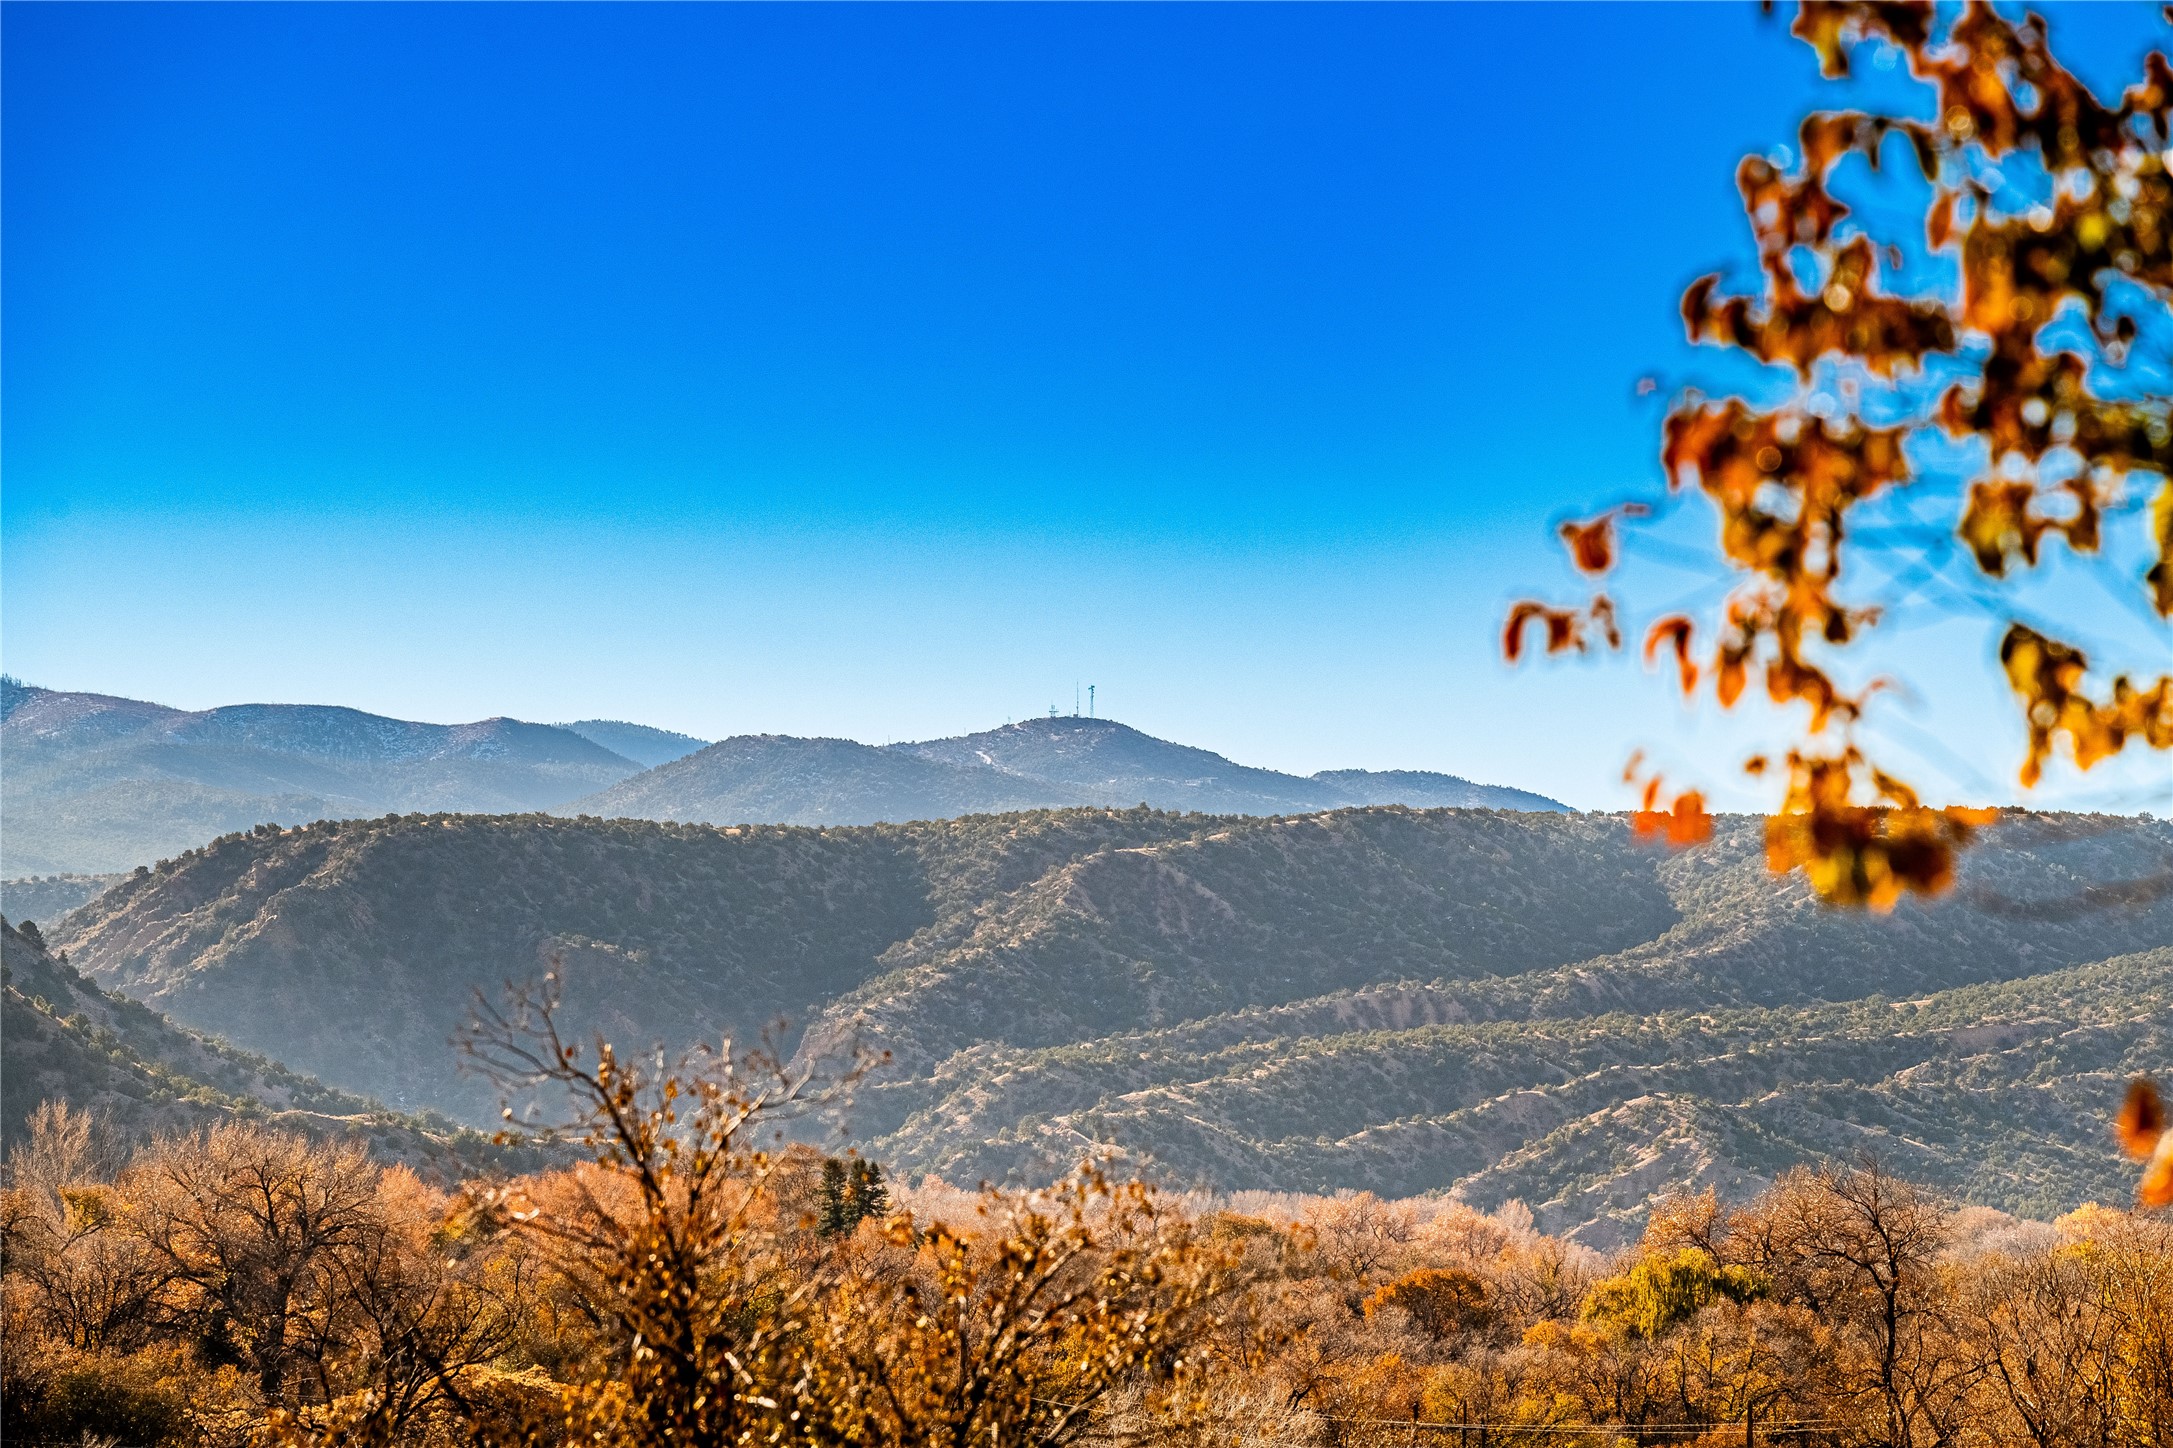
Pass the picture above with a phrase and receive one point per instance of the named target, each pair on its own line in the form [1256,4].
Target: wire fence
[1364,1432]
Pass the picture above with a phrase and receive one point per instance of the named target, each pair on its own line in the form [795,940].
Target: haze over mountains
[646,746]
[95,784]
[1254,980]
[98,783]
[1033,764]
[68,1040]
[1500,1004]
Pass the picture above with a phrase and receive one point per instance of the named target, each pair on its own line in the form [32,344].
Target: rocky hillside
[95,783]
[68,1040]
[1500,1004]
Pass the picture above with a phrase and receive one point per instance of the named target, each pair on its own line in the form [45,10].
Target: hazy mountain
[647,747]
[778,779]
[1423,789]
[46,898]
[68,1040]
[1103,762]
[95,783]
[1502,1004]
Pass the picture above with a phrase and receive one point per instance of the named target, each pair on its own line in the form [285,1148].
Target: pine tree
[871,1195]
[837,1206]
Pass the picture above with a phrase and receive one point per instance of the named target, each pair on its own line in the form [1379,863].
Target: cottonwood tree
[252,1231]
[2039,376]
[717,1325]
[65,1235]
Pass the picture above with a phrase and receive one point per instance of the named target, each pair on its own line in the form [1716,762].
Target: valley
[1501,1005]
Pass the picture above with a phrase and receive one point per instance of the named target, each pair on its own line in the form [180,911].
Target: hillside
[1033,764]
[1099,761]
[95,783]
[1424,789]
[68,1040]
[1502,1004]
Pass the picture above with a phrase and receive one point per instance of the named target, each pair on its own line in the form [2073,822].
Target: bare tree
[255,1231]
[670,1238]
[1861,1247]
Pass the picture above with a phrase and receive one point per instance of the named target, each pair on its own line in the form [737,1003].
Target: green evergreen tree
[837,1218]
[871,1195]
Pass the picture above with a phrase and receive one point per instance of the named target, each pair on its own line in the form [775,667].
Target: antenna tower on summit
[1074,698]
[1090,701]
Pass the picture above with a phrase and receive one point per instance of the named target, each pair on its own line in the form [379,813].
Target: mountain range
[97,783]
[94,784]
[1496,1004]
[1033,764]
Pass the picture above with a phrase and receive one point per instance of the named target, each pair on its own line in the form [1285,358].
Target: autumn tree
[1860,1248]
[65,1237]
[2028,398]
[670,1237]
[251,1229]
[1441,1301]
[1016,1327]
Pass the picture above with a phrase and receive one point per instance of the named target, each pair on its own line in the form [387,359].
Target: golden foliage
[1841,1305]
[2058,451]
[1865,855]
[1442,1301]
[2049,675]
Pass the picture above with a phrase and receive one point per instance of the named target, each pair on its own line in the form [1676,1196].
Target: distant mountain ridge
[1424,789]
[95,784]
[1103,762]
[1032,764]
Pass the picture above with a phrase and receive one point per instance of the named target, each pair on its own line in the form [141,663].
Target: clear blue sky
[880,372]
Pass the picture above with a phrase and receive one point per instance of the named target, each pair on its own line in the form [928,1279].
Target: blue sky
[884,372]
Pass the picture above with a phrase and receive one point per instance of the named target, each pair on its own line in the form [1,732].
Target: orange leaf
[1728,684]
[1674,631]
[1591,542]
[1603,615]
[1684,824]
[1939,226]
[2141,1122]
[2155,1191]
